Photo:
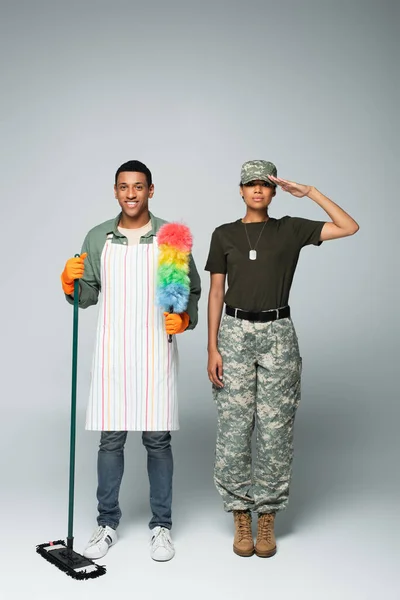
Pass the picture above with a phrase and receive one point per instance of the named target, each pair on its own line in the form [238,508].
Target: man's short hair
[135,166]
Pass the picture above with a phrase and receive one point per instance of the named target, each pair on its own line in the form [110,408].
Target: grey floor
[338,538]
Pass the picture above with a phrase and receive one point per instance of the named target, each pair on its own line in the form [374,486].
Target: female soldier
[253,355]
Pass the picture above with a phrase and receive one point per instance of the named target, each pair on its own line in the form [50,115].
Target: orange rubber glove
[176,323]
[74,269]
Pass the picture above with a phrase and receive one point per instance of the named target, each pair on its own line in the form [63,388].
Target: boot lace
[243,523]
[265,527]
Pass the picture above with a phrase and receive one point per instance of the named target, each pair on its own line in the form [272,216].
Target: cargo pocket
[220,394]
[290,388]
[298,382]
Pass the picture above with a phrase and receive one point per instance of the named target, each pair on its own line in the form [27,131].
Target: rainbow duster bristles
[173,283]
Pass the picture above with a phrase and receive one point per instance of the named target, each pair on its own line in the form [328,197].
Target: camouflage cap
[257,169]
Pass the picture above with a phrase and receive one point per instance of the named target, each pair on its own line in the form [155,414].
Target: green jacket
[90,284]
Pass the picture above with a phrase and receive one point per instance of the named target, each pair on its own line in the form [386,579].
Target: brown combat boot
[243,543]
[265,543]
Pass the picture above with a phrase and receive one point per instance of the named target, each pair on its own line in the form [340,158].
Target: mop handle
[70,537]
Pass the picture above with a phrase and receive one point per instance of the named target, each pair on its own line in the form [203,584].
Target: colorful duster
[173,283]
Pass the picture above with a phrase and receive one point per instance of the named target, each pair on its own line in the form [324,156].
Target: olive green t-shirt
[264,283]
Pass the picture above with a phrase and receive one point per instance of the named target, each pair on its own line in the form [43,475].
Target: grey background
[194,89]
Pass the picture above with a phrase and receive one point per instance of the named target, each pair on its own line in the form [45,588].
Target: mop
[62,555]
[173,283]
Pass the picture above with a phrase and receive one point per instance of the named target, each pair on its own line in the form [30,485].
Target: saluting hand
[296,189]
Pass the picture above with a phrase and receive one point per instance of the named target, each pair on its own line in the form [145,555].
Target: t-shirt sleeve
[216,262]
[306,231]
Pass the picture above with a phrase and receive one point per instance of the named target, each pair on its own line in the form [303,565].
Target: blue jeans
[110,468]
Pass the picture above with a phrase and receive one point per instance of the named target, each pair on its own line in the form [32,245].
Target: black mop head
[73,564]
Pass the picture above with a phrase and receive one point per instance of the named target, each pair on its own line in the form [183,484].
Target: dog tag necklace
[253,251]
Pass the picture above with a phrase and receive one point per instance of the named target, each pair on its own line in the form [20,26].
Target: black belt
[262,317]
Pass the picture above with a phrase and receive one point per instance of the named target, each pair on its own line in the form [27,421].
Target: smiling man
[134,373]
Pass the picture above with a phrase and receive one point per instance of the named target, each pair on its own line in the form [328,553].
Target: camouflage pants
[261,376]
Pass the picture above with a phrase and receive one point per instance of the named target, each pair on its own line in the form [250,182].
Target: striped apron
[134,371]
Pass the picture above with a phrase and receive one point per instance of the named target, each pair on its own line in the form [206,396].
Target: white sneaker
[161,546]
[100,542]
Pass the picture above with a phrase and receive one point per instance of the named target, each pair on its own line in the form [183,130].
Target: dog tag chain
[253,251]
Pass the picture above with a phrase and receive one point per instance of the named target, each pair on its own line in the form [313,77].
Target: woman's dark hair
[135,166]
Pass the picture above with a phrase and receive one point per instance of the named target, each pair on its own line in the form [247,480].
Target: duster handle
[171,310]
